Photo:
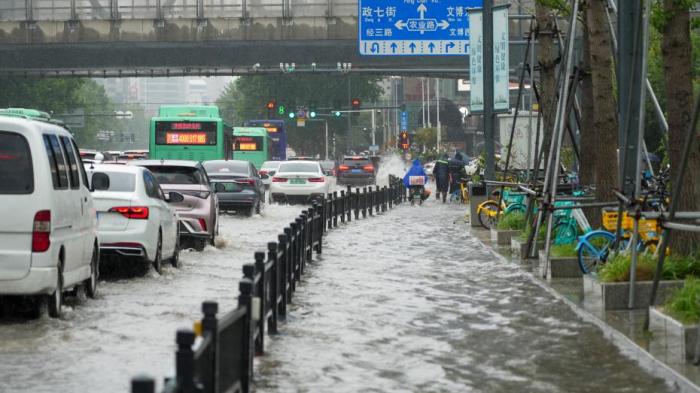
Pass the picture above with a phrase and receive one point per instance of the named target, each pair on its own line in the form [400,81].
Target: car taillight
[316,180]
[133,213]
[279,179]
[368,168]
[250,182]
[203,224]
[343,168]
[41,231]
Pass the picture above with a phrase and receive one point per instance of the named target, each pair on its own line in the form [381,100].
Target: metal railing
[217,356]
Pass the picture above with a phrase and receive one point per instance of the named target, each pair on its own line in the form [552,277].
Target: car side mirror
[218,187]
[264,176]
[174,197]
[100,182]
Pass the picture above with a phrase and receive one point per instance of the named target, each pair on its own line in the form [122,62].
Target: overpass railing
[217,355]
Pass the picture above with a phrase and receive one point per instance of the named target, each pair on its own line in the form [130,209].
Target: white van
[48,233]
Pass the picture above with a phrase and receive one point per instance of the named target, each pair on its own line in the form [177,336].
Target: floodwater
[410,302]
[403,302]
[130,328]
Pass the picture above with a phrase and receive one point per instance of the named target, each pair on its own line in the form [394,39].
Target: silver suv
[198,213]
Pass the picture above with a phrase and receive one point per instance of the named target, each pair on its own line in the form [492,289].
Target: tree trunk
[605,129]
[547,60]
[676,51]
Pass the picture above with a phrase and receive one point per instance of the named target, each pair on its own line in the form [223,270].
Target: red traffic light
[356,102]
[271,104]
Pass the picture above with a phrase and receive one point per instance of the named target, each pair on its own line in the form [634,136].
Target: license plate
[357,171]
[297,181]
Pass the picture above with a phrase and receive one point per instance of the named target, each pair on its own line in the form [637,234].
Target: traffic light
[312,110]
[356,103]
[271,105]
[281,110]
[291,114]
[336,113]
[403,140]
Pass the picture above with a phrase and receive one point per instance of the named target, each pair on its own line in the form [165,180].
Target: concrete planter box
[560,267]
[615,295]
[517,247]
[679,339]
[502,237]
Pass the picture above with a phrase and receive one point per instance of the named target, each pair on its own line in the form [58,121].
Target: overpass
[117,38]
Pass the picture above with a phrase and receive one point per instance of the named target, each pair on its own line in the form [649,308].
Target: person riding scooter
[415,180]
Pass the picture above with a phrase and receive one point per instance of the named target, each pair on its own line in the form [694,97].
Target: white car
[268,168]
[134,218]
[300,181]
[48,236]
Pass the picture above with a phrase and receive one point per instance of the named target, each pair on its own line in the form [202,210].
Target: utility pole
[489,171]
[422,98]
[427,93]
[437,113]
[374,127]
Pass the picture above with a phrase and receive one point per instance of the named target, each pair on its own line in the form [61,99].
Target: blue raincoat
[415,170]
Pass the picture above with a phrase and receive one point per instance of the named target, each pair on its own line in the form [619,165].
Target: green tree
[245,98]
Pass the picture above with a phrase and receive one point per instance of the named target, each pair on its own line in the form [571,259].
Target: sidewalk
[624,327]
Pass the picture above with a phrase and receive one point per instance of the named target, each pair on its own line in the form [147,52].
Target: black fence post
[335,209]
[343,205]
[290,257]
[245,299]
[184,361]
[296,254]
[272,253]
[348,195]
[324,211]
[316,225]
[261,292]
[143,384]
[356,201]
[364,202]
[329,216]
[284,271]
[371,200]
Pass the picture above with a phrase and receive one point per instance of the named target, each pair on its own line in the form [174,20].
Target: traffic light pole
[326,138]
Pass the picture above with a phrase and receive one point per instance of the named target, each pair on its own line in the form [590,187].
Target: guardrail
[217,355]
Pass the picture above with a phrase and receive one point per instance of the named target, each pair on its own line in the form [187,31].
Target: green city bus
[251,144]
[189,133]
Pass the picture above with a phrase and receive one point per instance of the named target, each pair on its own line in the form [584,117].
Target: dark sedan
[238,185]
[356,170]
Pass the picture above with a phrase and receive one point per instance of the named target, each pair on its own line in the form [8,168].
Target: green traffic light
[291,115]
[337,113]
[312,114]
[281,110]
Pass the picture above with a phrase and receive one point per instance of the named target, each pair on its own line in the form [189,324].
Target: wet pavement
[410,301]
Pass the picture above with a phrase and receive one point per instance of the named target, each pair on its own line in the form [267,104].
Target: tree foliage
[245,98]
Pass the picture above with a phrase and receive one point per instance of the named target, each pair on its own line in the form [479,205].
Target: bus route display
[182,133]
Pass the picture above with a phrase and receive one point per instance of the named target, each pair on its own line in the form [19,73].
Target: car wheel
[91,283]
[158,260]
[55,300]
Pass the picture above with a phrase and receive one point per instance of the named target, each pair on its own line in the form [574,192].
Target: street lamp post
[326,134]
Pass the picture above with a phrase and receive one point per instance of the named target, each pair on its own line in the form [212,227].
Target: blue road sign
[414,27]
[404,121]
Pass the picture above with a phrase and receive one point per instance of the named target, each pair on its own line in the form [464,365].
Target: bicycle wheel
[593,250]
[516,207]
[488,214]
[564,233]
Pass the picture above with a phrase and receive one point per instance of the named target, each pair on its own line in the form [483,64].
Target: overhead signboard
[501,71]
[414,27]
[476,61]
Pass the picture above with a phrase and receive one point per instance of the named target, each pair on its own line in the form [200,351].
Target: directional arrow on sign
[444,24]
[413,47]
[375,47]
[449,46]
[393,47]
[400,24]
[431,46]
[421,9]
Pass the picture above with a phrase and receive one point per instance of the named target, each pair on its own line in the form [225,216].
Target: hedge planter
[502,237]
[519,247]
[560,267]
[615,295]
[679,339]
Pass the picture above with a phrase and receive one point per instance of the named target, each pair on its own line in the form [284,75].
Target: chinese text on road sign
[414,27]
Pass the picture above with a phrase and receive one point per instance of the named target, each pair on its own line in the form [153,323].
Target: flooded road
[410,302]
[130,328]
